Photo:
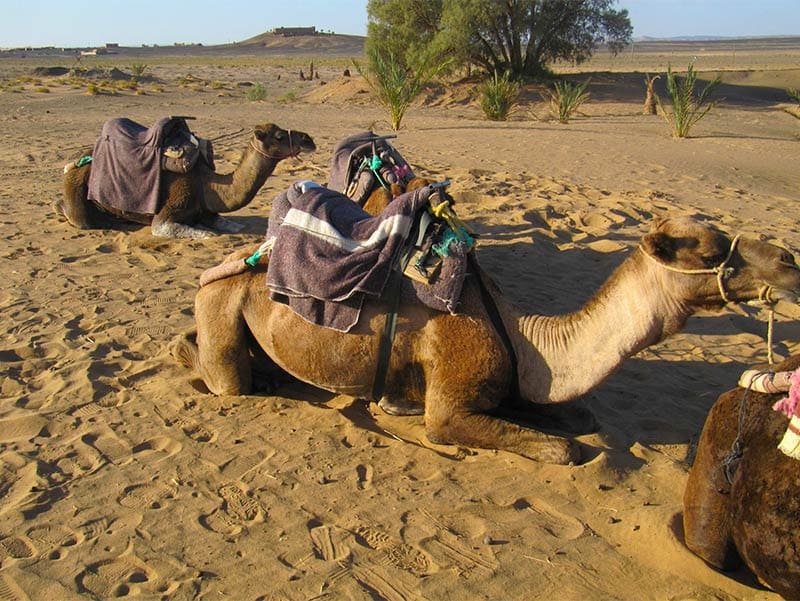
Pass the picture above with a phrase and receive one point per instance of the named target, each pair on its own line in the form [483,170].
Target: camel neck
[562,357]
[229,192]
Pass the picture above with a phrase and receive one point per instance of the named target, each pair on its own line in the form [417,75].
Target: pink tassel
[789,405]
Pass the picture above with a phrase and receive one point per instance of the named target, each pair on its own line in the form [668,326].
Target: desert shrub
[793,94]
[650,95]
[93,89]
[289,96]
[686,106]
[42,89]
[566,98]
[256,92]
[499,96]
[138,69]
[395,84]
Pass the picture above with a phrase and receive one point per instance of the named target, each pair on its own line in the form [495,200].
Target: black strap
[499,326]
[392,294]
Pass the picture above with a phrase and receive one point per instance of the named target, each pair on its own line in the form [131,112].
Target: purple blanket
[126,165]
[351,178]
[328,255]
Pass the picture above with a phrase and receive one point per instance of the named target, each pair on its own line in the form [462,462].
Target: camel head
[725,269]
[276,143]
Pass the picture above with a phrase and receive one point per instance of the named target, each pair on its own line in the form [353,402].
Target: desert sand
[120,477]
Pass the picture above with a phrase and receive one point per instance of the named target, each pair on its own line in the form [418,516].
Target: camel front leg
[219,350]
[707,497]
[447,424]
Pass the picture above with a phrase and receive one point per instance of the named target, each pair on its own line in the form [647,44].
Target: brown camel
[191,202]
[456,368]
[751,514]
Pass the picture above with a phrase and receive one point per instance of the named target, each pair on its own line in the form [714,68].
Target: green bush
[395,84]
[499,96]
[687,107]
[793,94]
[566,98]
[256,92]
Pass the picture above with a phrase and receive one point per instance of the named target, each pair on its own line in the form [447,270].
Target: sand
[121,477]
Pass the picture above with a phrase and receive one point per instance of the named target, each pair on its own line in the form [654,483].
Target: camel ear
[659,245]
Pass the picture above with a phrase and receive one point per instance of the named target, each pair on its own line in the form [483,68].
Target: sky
[78,23]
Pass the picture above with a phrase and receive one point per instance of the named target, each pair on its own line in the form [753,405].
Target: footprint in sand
[365,474]
[54,541]
[146,496]
[157,449]
[395,552]
[130,576]
[16,547]
[330,543]
[236,512]
[10,590]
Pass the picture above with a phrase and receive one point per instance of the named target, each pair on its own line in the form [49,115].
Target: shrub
[650,95]
[289,96]
[395,84]
[92,89]
[138,69]
[793,94]
[566,98]
[687,108]
[499,96]
[256,92]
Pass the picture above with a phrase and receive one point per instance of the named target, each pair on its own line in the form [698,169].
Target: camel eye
[787,258]
[714,260]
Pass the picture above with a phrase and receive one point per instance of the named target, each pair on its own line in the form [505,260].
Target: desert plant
[395,84]
[793,94]
[566,98]
[650,95]
[289,96]
[499,96]
[92,89]
[687,107]
[138,69]
[256,92]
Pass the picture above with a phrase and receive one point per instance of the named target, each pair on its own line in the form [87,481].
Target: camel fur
[753,518]
[191,202]
[456,368]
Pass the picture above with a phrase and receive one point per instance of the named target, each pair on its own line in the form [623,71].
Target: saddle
[362,162]
[128,159]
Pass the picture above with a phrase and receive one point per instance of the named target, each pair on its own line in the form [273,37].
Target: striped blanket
[327,255]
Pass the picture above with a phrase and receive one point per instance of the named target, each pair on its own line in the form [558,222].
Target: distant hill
[319,42]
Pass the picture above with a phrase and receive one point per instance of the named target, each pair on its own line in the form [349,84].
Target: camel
[191,202]
[750,516]
[460,370]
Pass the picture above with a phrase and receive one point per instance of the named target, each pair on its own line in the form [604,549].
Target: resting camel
[191,202]
[457,369]
[751,515]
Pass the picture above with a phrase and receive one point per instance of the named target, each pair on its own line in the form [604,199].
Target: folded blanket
[126,164]
[325,248]
[349,174]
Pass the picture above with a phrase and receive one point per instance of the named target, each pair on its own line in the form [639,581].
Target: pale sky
[73,23]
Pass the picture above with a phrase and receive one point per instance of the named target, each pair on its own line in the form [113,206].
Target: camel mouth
[769,295]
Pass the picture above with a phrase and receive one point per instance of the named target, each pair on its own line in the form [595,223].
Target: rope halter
[292,152]
[722,271]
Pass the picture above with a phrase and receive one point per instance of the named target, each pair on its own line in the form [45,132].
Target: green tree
[519,36]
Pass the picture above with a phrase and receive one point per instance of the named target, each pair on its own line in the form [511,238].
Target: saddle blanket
[127,163]
[327,255]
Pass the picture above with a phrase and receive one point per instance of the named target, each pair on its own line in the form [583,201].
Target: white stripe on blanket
[392,226]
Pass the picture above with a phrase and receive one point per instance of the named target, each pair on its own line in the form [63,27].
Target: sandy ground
[121,477]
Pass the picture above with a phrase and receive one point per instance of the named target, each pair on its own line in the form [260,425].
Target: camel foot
[226,226]
[171,229]
[569,418]
[184,349]
[400,407]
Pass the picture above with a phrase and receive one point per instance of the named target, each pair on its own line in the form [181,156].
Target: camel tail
[222,271]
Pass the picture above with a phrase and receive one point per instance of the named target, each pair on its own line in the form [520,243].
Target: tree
[519,36]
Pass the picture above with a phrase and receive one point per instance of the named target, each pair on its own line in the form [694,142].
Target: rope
[292,152]
[722,270]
